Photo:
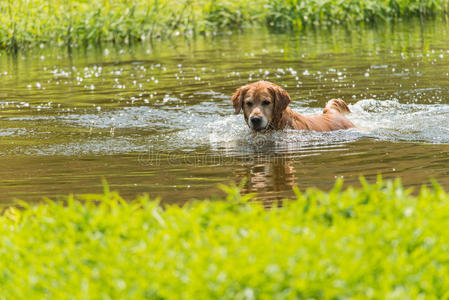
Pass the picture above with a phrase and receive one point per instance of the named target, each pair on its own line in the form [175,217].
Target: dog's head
[263,103]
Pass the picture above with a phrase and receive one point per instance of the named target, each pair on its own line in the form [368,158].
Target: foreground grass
[82,22]
[373,242]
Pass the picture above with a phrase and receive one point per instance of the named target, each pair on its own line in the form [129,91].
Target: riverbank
[26,23]
[376,242]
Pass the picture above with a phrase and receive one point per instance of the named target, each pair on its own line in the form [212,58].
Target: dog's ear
[237,98]
[281,101]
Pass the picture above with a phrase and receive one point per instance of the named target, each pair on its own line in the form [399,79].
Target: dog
[265,107]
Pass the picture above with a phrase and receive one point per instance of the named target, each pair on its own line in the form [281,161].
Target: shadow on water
[157,119]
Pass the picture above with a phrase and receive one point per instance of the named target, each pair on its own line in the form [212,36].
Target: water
[157,118]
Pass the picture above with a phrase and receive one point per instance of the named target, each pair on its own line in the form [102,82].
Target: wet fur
[281,116]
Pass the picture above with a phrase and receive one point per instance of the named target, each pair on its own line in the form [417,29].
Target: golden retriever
[265,107]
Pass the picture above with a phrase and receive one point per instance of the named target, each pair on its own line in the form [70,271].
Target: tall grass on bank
[82,22]
[375,242]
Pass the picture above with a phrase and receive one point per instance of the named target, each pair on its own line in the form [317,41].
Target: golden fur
[265,107]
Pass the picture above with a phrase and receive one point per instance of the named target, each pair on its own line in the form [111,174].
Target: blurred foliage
[377,241]
[81,22]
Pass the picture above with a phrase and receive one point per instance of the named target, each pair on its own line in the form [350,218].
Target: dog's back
[332,118]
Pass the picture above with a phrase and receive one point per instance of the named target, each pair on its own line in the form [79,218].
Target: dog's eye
[265,103]
[249,104]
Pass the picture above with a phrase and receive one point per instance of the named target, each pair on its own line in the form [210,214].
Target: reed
[373,242]
[26,23]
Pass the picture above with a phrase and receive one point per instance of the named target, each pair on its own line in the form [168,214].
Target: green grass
[375,242]
[80,22]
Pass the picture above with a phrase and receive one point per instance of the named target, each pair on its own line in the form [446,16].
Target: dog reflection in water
[272,178]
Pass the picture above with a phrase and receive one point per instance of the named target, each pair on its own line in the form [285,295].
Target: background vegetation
[374,242]
[78,22]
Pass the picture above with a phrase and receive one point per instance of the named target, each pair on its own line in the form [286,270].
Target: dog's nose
[256,120]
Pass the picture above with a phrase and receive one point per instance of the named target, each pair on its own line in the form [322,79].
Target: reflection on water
[158,119]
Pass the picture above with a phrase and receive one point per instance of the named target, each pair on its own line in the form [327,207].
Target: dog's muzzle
[258,123]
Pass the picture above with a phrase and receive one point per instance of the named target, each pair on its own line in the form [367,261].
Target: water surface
[157,118]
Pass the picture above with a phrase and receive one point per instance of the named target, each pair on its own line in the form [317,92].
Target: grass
[80,22]
[375,242]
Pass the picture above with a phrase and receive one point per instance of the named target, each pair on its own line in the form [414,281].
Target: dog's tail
[336,106]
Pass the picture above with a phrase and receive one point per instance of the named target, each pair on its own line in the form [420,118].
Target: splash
[392,121]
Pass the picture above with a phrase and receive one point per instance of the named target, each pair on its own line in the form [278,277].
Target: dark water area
[157,118]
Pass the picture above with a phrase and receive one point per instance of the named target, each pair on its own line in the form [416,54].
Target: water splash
[392,121]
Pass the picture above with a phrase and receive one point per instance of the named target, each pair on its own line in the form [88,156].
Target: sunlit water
[157,118]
